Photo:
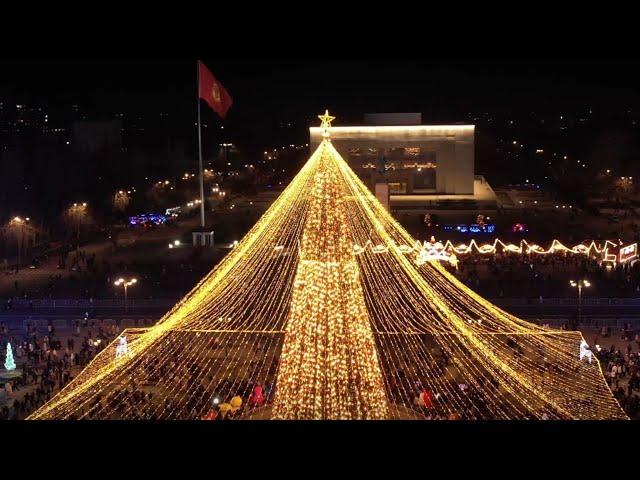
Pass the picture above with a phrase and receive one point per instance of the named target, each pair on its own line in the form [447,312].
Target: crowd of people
[503,275]
[621,366]
[93,278]
[47,363]
[512,275]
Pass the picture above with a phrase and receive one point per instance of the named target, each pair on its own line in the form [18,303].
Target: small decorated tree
[9,364]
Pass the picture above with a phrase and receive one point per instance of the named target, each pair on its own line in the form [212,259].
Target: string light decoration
[332,330]
[436,250]
[329,367]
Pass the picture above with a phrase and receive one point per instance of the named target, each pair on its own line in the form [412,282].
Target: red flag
[212,92]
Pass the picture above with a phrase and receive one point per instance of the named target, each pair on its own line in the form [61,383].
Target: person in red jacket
[425,396]
[210,416]
[257,399]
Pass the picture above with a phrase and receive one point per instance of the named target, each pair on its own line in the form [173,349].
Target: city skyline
[289,89]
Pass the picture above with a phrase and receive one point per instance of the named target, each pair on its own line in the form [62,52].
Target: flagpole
[200,152]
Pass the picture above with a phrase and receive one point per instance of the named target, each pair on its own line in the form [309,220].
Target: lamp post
[580,284]
[77,213]
[226,154]
[126,283]
[121,200]
[19,224]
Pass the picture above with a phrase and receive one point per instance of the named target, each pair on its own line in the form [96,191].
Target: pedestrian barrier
[557,321]
[615,323]
[59,323]
[88,305]
[566,302]
[91,305]
[70,323]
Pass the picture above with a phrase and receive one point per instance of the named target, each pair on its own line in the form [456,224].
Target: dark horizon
[588,109]
[289,89]
[269,95]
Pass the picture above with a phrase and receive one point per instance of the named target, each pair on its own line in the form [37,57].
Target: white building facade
[416,159]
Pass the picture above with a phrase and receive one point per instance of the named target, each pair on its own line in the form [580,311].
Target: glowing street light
[18,224]
[77,214]
[580,284]
[125,283]
[121,199]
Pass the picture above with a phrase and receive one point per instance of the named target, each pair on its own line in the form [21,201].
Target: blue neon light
[156,219]
[473,228]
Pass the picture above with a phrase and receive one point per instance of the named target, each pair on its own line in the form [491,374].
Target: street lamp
[580,284]
[77,213]
[226,151]
[126,283]
[121,200]
[19,224]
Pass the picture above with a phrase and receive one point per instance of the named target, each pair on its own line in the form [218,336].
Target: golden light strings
[329,367]
[382,214]
[327,304]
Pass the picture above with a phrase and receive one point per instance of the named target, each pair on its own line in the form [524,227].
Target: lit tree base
[397,412]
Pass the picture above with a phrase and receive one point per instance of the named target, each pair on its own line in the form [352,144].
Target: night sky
[267,92]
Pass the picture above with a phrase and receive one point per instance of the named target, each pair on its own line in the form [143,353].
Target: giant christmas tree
[329,305]
[329,366]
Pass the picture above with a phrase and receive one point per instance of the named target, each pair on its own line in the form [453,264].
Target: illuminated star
[326,120]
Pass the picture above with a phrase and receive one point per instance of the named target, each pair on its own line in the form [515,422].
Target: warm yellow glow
[409,129]
[327,304]
[326,120]
[329,367]
[441,250]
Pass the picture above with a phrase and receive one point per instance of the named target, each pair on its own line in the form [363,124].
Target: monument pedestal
[8,375]
[203,239]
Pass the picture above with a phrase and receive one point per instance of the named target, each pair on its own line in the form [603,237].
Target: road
[64,312]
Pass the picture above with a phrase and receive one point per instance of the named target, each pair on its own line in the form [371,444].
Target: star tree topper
[326,123]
